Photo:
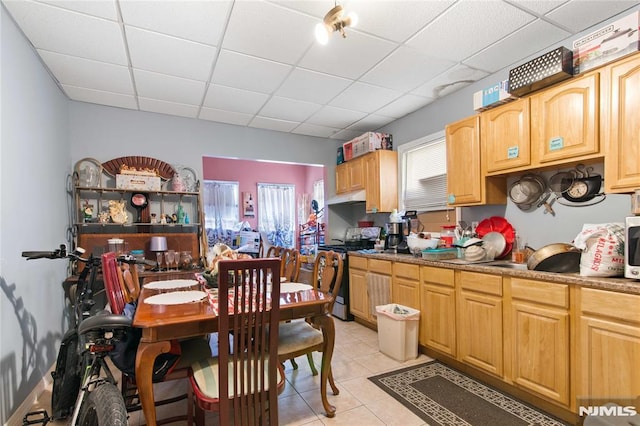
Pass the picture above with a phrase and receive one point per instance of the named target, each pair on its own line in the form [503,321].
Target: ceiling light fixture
[333,21]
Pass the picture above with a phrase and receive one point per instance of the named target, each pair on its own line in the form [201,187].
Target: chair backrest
[255,307]
[112,285]
[290,264]
[327,271]
[274,251]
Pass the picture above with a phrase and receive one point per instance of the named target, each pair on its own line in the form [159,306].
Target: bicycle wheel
[103,407]
[66,377]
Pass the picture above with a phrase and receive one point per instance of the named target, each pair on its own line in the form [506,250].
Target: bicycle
[83,384]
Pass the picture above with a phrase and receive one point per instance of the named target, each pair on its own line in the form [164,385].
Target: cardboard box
[366,143]
[491,97]
[541,72]
[140,183]
[607,43]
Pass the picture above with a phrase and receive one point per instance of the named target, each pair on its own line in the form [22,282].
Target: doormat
[440,395]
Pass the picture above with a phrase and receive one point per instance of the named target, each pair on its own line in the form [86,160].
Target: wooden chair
[301,337]
[122,286]
[290,264]
[242,383]
[274,251]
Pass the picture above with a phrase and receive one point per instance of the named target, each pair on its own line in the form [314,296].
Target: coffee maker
[395,239]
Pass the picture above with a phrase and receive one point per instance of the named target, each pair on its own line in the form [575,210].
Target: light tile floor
[360,402]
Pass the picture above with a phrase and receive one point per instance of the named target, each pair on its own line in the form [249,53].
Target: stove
[341,307]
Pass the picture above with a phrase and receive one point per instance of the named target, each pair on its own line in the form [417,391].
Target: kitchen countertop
[623,285]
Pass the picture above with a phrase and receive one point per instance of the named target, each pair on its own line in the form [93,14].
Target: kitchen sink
[509,265]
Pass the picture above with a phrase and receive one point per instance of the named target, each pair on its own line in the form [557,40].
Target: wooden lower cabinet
[406,285]
[438,309]
[479,321]
[537,337]
[608,358]
[358,299]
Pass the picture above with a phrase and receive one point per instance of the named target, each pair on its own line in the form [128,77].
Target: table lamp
[158,245]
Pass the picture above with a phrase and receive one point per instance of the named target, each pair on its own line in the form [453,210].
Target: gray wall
[34,160]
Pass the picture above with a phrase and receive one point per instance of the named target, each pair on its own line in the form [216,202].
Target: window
[276,213]
[424,173]
[221,210]
[318,193]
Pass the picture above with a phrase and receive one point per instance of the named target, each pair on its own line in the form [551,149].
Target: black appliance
[341,307]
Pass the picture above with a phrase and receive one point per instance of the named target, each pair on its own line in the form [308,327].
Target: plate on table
[501,225]
[176,298]
[294,287]
[170,284]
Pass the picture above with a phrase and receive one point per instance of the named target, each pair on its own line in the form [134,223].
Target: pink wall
[250,172]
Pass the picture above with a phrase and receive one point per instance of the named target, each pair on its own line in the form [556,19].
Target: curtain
[276,213]
[221,210]
[424,174]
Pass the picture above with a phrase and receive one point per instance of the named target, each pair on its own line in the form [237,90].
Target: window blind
[425,175]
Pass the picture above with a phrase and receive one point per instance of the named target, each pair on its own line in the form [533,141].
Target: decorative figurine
[154,218]
[163,219]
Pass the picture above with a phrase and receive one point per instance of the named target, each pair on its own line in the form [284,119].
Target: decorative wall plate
[189,178]
[87,173]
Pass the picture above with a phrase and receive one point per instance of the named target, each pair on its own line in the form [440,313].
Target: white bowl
[418,244]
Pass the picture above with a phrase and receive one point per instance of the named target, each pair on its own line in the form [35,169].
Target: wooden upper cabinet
[381,183]
[505,135]
[342,178]
[466,181]
[350,176]
[622,129]
[565,121]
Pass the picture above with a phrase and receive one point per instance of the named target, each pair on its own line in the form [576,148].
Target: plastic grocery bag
[398,312]
[602,248]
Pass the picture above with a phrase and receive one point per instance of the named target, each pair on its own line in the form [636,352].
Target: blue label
[452,198]
[513,152]
[556,143]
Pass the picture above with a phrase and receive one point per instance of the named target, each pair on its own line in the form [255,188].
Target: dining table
[162,323]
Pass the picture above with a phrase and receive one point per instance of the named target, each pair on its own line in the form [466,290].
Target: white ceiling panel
[236,100]
[289,109]
[79,72]
[256,62]
[365,97]
[180,57]
[312,86]
[405,69]
[467,27]
[100,97]
[72,33]
[170,108]
[269,31]
[528,40]
[168,88]
[249,72]
[201,21]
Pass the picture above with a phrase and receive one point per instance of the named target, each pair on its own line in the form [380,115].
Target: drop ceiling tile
[164,54]
[405,69]
[236,100]
[395,20]
[365,97]
[102,9]
[347,57]
[468,27]
[314,130]
[579,15]
[370,123]
[539,7]
[449,82]
[289,109]
[222,116]
[100,97]
[74,71]
[201,21]
[312,86]
[335,117]
[171,108]
[71,33]
[273,124]
[269,31]
[527,41]
[249,72]
[346,135]
[404,105]
[167,88]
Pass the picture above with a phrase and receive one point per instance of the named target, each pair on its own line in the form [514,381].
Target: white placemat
[170,284]
[294,287]
[176,298]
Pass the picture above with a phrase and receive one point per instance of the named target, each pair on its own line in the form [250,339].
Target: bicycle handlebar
[61,253]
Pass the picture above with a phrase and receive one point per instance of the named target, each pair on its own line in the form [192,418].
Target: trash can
[398,331]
